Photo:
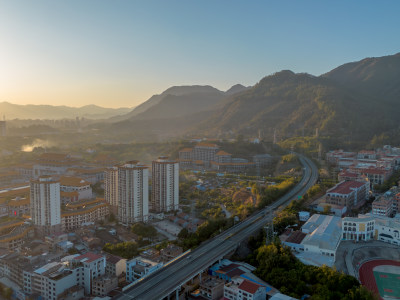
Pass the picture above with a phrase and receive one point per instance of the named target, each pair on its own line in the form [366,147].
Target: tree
[183,234]
[283,219]
[126,249]
[327,209]
[143,230]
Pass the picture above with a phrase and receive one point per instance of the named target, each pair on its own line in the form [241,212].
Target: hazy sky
[119,53]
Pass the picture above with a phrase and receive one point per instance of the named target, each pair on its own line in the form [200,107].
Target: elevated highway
[171,277]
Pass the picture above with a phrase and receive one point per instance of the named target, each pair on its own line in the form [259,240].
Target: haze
[119,53]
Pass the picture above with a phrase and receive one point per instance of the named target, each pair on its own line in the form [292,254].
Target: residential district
[52,237]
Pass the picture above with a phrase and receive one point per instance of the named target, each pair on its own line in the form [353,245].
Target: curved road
[167,279]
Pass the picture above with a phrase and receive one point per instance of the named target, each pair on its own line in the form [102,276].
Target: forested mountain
[292,103]
[378,77]
[237,88]
[15,111]
[176,101]
[356,102]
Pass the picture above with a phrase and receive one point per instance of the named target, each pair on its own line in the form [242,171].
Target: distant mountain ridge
[377,76]
[30,111]
[354,103]
[178,101]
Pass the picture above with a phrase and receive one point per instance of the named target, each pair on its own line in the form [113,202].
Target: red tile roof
[221,152]
[345,187]
[296,237]
[90,256]
[249,287]
[348,174]
[375,171]
[206,145]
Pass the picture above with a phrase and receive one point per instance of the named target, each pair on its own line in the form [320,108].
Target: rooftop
[202,144]
[88,257]
[73,181]
[296,237]
[113,259]
[249,286]
[345,187]
[325,231]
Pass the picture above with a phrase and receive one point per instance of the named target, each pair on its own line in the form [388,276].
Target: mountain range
[15,111]
[354,102]
[357,103]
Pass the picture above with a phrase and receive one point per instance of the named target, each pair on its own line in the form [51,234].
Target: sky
[119,53]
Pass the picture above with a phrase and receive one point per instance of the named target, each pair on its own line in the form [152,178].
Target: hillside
[354,104]
[292,103]
[378,77]
[15,111]
[176,98]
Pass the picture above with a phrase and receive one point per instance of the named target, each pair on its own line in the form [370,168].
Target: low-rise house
[101,286]
[115,265]
[240,288]
[139,267]
[212,288]
[170,252]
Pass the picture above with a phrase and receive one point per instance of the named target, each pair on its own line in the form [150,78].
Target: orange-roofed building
[348,193]
[223,157]
[85,211]
[70,184]
[53,164]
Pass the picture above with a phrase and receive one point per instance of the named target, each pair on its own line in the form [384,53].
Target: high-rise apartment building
[133,193]
[165,185]
[111,187]
[3,127]
[46,204]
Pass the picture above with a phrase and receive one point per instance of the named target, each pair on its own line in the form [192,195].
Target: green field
[388,284]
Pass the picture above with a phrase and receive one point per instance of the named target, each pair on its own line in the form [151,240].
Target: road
[166,280]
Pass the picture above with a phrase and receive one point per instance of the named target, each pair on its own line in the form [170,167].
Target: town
[73,228]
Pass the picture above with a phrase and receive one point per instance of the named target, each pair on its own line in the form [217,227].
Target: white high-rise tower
[46,204]
[133,193]
[165,185]
[111,187]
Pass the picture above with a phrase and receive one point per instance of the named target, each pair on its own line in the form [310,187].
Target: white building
[52,280]
[370,227]
[323,235]
[94,265]
[358,229]
[243,289]
[45,204]
[133,193]
[388,230]
[111,186]
[165,185]
[304,216]
[139,267]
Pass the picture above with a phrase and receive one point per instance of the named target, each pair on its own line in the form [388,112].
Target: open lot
[169,227]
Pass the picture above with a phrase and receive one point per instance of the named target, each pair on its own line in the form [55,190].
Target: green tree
[144,230]
[183,234]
